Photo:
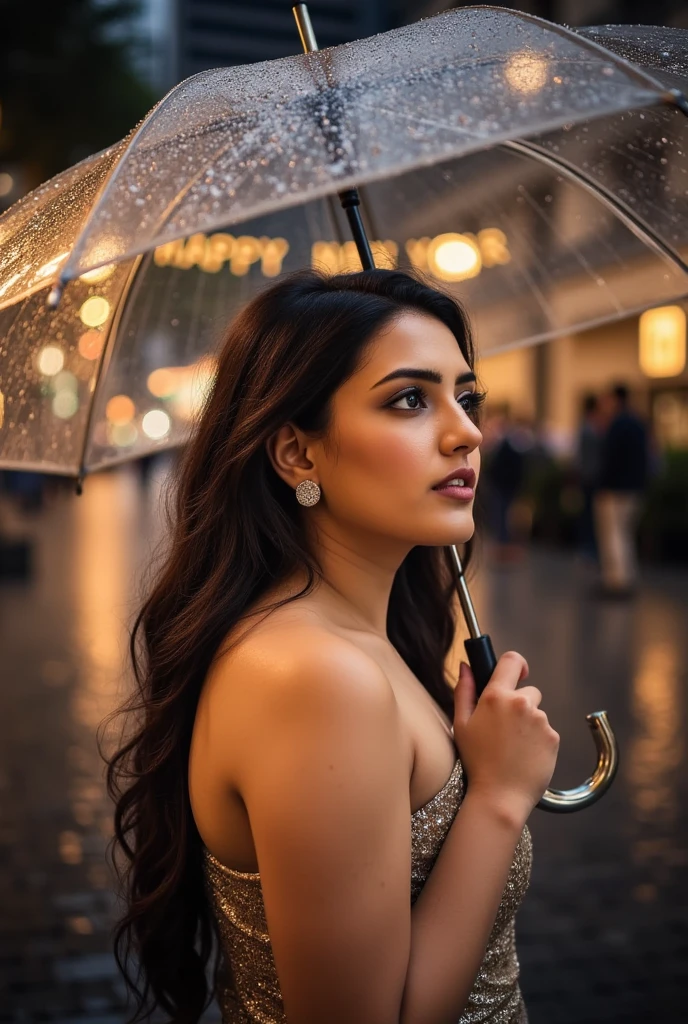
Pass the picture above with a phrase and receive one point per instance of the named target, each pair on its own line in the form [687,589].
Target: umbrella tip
[55,295]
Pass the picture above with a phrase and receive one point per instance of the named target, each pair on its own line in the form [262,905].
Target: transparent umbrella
[537,172]
[538,175]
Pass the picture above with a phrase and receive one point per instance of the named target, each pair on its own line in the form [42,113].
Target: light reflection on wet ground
[603,933]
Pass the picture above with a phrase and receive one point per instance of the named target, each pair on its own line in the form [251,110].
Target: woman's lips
[460,492]
[456,492]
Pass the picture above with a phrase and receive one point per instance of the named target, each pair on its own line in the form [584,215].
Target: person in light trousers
[623,478]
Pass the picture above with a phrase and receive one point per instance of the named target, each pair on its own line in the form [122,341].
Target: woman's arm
[509,751]
[456,909]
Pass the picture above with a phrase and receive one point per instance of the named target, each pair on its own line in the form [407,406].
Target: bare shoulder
[293,660]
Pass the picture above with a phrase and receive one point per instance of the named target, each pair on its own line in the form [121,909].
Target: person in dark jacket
[622,480]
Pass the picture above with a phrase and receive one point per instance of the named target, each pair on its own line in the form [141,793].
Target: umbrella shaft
[349,198]
[350,204]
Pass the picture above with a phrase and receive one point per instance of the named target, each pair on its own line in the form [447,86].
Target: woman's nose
[463,433]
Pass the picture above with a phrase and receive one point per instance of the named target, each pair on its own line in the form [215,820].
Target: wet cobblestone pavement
[603,933]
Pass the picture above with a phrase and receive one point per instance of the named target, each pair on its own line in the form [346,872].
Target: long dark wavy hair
[234,530]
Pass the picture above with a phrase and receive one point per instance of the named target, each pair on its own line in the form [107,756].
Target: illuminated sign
[211,252]
[662,338]
[448,257]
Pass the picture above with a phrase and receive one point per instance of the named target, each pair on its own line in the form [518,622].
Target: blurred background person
[622,481]
[588,464]
[508,441]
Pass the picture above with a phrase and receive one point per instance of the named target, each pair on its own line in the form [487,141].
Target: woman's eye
[416,395]
[469,400]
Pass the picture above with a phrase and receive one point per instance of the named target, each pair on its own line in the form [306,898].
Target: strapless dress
[248,990]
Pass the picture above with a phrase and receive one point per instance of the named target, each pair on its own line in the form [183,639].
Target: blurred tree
[67,84]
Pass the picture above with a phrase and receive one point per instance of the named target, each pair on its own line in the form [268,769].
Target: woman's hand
[505,741]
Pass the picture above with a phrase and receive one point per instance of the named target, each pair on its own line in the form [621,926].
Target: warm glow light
[123,435]
[453,257]
[211,252]
[2,408]
[91,344]
[163,382]
[192,386]
[104,251]
[95,311]
[662,340]
[50,360]
[99,274]
[526,72]
[49,268]
[120,410]
[156,424]
[6,183]
[65,403]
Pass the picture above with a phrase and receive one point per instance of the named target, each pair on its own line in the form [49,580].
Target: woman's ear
[287,450]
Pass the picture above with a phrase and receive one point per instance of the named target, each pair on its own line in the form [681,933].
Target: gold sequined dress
[248,990]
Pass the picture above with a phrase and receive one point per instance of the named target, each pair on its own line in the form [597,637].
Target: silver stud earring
[308,493]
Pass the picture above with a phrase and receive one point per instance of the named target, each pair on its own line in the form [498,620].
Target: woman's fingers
[464,694]
[511,668]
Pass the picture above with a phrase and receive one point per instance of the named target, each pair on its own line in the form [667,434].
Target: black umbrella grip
[482,659]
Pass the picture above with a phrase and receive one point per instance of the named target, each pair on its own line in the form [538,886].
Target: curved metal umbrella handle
[482,659]
[560,801]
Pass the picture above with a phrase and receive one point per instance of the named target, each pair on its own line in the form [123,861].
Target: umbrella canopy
[534,172]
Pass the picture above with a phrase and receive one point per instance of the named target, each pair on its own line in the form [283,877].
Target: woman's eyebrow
[431,375]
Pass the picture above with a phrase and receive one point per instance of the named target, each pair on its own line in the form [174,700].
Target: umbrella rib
[134,136]
[631,220]
[103,363]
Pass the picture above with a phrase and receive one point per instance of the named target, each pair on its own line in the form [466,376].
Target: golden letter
[246,251]
[194,252]
[493,246]
[219,249]
[168,253]
[417,252]
[325,256]
[385,254]
[273,252]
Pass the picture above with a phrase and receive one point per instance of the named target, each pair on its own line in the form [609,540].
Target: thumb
[464,695]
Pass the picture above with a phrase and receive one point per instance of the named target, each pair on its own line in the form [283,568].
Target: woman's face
[396,434]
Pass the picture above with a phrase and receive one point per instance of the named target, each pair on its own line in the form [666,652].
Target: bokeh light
[122,435]
[156,424]
[65,403]
[91,344]
[95,311]
[453,257]
[50,360]
[526,72]
[66,381]
[163,382]
[120,410]
[662,338]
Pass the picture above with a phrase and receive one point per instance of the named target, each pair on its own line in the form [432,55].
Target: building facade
[214,33]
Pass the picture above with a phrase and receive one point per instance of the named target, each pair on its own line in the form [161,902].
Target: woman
[294,770]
